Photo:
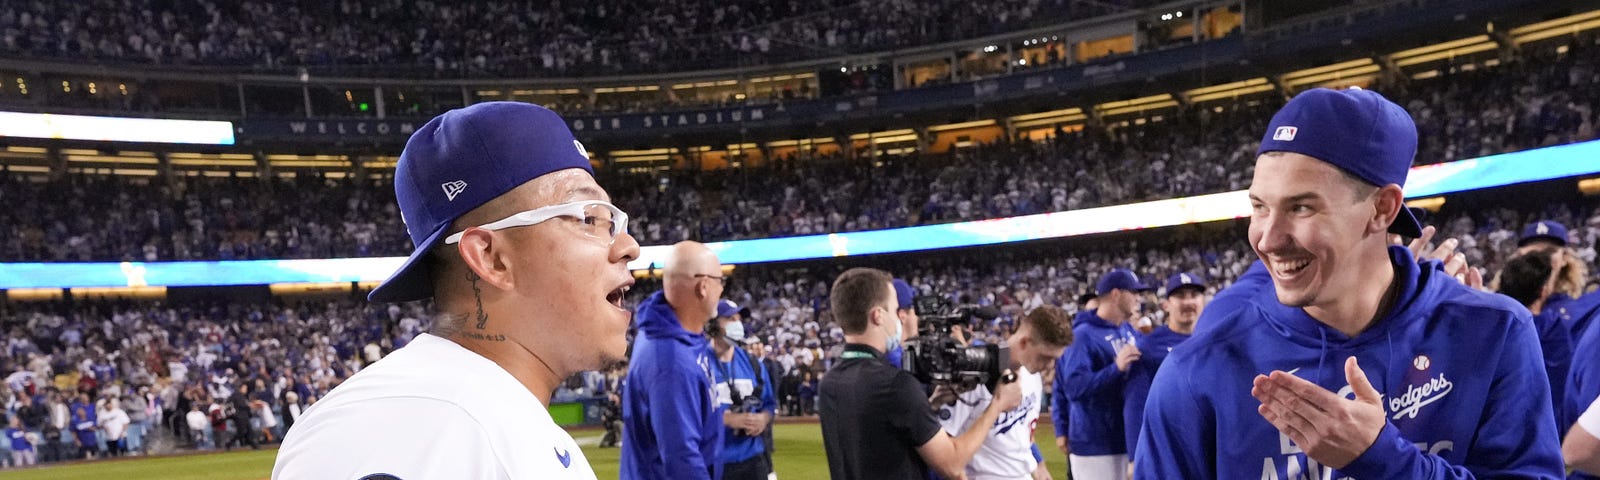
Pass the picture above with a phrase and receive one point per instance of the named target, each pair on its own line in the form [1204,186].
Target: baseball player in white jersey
[1009,452]
[526,261]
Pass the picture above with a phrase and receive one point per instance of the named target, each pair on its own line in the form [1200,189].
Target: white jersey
[429,410]
[1007,453]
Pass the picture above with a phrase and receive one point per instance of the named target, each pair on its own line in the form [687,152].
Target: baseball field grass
[799,455]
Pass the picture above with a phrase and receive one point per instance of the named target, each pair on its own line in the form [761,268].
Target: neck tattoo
[477,293]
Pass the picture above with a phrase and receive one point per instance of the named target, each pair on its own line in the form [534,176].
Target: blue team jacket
[1578,314]
[1089,384]
[1460,370]
[672,425]
[1060,405]
[1153,349]
[1555,343]
[1583,380]
[737,447]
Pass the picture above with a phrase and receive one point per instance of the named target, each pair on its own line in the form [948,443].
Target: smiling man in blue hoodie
[1354,360]
[672,423]
[1186,298]
[1091,374]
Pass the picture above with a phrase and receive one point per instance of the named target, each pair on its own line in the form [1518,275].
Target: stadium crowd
[98,377]
[506,37]
[1543,98]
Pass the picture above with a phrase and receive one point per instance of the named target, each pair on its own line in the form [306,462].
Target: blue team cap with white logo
[1120,279]
[1354,129]
[462,159]
[1185,280]
[1544,230]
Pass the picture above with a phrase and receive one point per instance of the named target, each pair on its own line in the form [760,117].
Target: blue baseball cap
[1354,129]
[726,308]
[1119,279]
[904,294]
[1544,230]
[1184,280]
[462,159]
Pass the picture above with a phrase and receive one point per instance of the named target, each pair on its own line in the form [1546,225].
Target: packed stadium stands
[162,359]
[501,38]
[1543,99]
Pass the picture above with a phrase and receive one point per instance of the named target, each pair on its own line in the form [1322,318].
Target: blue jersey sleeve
[1060,405]
[1083,379]
[676,402]
[1555,342]
[1516,432]
[1178,439]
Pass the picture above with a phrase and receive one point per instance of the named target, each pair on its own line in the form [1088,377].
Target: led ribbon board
[1499,170]
[115,129]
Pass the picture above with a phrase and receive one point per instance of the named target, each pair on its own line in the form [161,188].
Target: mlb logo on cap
[1285,134]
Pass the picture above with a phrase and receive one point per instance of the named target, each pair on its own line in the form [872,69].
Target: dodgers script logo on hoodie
[1460,374]
[1424,386]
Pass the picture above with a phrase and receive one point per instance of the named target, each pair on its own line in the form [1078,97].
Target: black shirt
[874,416]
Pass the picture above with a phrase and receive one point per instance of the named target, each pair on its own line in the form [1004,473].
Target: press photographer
[744,391]
[876,423]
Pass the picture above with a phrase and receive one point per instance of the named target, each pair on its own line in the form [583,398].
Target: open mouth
[1288,268]
[617,294]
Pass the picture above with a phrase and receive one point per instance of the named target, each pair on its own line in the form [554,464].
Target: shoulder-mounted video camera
[933,357]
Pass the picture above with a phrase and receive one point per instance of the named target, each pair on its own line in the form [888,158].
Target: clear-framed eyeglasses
[597,218]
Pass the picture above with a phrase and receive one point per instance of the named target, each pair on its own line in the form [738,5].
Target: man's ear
[1387,203]
[484,257]
[875,317]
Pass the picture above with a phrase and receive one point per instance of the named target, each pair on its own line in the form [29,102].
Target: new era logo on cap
[1285,134]
[581,150]
[451,189]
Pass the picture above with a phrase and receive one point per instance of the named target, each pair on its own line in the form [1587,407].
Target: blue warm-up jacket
[1089,386]
[672,426]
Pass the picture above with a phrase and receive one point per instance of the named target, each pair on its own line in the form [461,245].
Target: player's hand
[1041,472]
[1063,446]
[1130,470]
[1420,246]
[1007,395]
[1331,429]
[1455,263]
[1125,357]
[943,395]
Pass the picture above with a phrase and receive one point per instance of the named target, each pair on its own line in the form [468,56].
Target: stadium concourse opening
[201,207]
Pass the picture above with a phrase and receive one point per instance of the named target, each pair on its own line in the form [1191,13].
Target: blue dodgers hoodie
[1460,371]
[1583,380]
[1153,349]
[672,423]
[1060,404]
[1555,343]
[1087,377]
[1579,314]
[738,447]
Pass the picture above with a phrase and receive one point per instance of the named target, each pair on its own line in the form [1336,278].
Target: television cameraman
[1009,453]
[876,421]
